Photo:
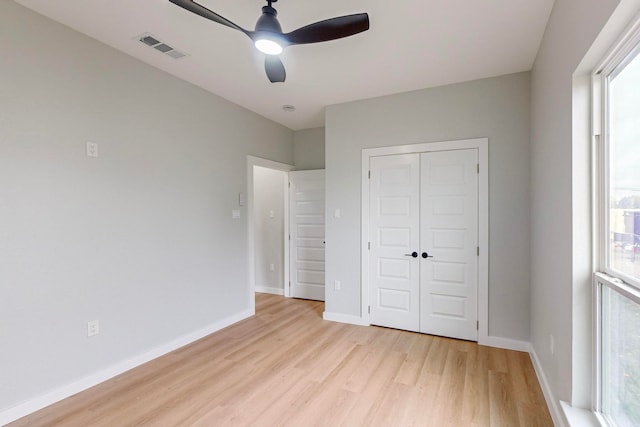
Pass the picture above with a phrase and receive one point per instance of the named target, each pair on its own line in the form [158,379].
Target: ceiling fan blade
[198,9]
[329,29]
[274,68]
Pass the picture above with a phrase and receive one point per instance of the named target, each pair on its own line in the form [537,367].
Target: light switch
[336,213]
[235,214]
[241,199]
[272,214]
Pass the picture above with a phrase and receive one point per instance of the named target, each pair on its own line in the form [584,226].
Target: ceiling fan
[269,38]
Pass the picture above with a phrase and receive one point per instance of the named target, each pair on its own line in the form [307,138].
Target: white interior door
[423,265]
[394,233]
[449,237]
[306,231]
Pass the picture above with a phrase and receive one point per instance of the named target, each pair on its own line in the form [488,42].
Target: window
[619,350]
[623,124]
[618,210]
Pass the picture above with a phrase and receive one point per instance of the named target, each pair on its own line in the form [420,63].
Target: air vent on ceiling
[154,42]
[149,41]
[176,54]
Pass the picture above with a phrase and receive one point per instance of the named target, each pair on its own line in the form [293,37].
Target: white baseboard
[344,318]
[270,290]
[505,343]
[552,403]
[56,395]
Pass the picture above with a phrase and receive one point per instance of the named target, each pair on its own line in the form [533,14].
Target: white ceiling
[412,44]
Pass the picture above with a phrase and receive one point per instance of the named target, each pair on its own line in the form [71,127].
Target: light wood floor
[286,366]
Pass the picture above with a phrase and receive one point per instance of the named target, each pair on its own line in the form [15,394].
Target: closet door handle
[426,255]
[413,254]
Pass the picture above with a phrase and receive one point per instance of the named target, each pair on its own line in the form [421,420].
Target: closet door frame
[482,145]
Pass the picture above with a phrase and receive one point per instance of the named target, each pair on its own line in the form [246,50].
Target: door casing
[482,145]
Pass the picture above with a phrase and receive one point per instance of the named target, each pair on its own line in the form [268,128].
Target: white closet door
[306,230]
[394,233]
[449,234]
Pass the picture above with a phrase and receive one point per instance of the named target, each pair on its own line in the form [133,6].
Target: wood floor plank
[436,357]
[385,366]
[448,404]
[286,366]
[523,378]
[393,406]
[475,401]
[358,380]
[336,408]
[503,410]
[414,361]
[498,360]
[424,397]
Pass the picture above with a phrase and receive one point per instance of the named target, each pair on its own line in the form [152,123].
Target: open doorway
[268,218]
[268,225]
[286,247]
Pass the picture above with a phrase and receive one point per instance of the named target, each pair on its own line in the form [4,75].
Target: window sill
[578,417]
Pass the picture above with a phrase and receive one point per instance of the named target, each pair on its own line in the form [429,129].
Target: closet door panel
[394,233]
[449,238]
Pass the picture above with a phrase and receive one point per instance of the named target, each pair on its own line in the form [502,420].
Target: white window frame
[619,57]
[601,281]
[625,50]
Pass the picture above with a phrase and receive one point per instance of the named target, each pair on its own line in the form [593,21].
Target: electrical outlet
[337,285]
[93,328]
[92,149]
[552,344]
[272,267]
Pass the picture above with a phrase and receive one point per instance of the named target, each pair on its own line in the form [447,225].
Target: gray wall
[572,28]
[141,237]
[268,197]
[308,149]
[497,108]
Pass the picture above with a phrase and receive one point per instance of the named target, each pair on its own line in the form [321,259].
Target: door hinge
[478,167]
[478,250]
[369,245]
[369,174]
[289,237]
[369,309]
[477,325]
[289,184]
[289,283]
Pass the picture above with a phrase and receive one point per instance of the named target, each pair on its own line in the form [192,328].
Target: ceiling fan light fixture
[269,38]
[269,47]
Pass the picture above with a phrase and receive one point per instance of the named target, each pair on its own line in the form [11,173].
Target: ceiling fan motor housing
[268,21]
